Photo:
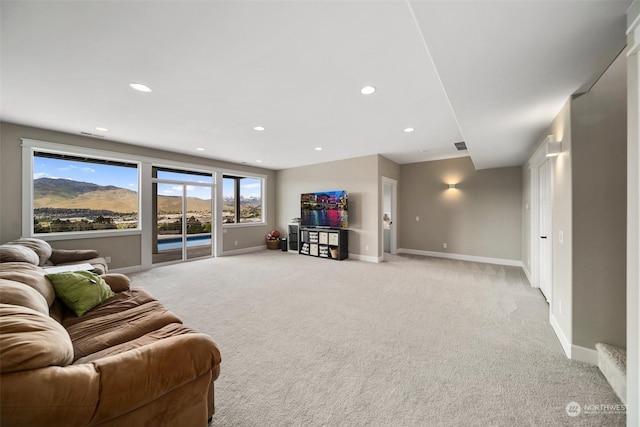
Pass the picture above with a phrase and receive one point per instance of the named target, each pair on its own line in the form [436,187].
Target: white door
[546,233]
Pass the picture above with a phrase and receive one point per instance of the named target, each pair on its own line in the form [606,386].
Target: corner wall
[599,175]
[633,216]
[358,176]
[481,218]
[588,210]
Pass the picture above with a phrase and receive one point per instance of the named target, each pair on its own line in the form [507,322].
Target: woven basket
[273,244]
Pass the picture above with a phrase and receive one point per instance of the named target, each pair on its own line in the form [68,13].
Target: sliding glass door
[183,215]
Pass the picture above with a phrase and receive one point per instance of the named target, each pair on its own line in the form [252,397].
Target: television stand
[330,243]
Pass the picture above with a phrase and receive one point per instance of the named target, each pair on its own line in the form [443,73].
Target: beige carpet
[414,341]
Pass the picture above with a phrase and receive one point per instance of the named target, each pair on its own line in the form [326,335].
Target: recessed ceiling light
[258,161]
[102,129]
[367,90]
[259,128]
[200,149]
[318,148]
[408,130]
[140,87]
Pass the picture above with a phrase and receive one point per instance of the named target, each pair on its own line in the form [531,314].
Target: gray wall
[633,218]
[358,176]
[124,250]
[599,156]
[561,219]
[589,205]
[482,217]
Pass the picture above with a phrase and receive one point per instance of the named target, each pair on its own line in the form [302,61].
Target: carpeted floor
[414,341]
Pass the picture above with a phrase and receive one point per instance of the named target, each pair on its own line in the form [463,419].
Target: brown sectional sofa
[126,362]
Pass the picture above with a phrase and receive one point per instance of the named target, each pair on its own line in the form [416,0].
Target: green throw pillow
[80,290]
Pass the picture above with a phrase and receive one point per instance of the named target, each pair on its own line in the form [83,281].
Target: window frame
[263,214]
[29,149]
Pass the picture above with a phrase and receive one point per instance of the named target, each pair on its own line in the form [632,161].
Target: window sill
[74,235]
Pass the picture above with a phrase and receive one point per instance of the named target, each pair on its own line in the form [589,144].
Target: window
[82,194]
[242,200]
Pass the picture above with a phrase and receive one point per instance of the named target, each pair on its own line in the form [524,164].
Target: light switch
[417,218]
[561,237]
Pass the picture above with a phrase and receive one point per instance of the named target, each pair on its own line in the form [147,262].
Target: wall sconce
[452,186]
[552,147]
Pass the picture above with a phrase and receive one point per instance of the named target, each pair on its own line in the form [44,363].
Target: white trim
[585,355]
[528,274]
[244,250]
[472,258]
[132,158]
[393,235]
[366,258]
[564,342]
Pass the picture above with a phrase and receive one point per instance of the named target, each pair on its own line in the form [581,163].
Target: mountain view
[68,205]
[61,205]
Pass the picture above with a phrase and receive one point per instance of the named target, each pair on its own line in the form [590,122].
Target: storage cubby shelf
[327,243]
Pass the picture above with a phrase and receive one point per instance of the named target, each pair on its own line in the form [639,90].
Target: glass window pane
[83,194]
[228,200]
[181,175]
[250,200]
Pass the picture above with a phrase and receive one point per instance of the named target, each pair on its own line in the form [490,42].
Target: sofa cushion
[67,256]
[17,253]
[31,340]
[117,282]
[170,330]
[125,317]
[16,293]
[80,290]
[31,275]
[39,246]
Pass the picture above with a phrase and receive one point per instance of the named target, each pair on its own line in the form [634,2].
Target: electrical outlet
[235,243]
[417,219]
[108,259]
[559,307]
[444,245]
[366,248]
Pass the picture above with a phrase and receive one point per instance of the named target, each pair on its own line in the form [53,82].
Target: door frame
[184,184]
[392,184]
[537,160]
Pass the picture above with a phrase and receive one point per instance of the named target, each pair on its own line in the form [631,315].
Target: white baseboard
[365,258]
[564,342]
[585,355]
[244,250]
[528,274]
[486,260]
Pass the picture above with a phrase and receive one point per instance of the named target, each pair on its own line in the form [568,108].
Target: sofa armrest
[63,256]
[136,377]
[52,396]
[117,282]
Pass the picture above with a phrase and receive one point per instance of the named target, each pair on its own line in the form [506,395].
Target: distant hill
[70,194]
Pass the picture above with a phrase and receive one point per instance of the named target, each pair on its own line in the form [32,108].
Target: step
[612,361]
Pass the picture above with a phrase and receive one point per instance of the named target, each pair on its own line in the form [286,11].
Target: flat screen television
[324,209]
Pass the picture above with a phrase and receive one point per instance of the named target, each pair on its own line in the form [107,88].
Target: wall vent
[460,145]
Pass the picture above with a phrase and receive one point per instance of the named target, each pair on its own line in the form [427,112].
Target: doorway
[541,238]
[182,213]
[545,232]
[389,215]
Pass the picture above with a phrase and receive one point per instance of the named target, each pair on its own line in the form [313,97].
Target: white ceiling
[491,73]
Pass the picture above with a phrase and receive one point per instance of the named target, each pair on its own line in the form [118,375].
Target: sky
[128,178]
